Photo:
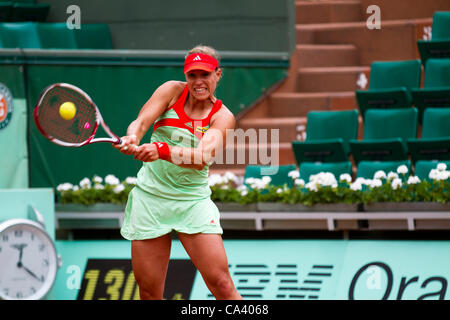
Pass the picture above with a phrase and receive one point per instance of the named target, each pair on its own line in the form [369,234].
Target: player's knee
[223,287]
[145,294]
[149,290]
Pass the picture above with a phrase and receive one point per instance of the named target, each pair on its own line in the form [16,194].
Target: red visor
[200,61]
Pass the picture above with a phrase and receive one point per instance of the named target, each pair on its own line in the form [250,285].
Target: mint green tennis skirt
[148,216]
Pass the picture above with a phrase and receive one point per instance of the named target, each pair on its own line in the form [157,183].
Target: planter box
[295,224]
[235,207]
[284,207]
[406,206]
[96,216]
[97,207]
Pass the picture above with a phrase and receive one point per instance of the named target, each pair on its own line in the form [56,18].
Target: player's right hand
[129,144]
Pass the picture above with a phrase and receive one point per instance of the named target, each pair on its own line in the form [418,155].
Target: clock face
[28,261]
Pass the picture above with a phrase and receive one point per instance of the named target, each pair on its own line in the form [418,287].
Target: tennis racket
[76,129]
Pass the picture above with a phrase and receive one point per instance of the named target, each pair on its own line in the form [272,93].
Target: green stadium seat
[439,45]
[56,36]
[389,86]
[36,12]
[367,169]
[93,36]
[327,136]
[385,134]
[436,89]
[423,167]
[434,143]
[19,35]
[278,179]
[5,11]
[25,1]
[307,169]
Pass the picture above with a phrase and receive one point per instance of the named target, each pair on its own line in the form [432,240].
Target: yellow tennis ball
[67,110]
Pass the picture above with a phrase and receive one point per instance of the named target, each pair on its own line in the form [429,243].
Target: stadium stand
[281,177]
[36,12]
[56,36]
[32,35]
[436,90]
[306,169]
[390,84]
[327,136]
[326,147]
[439,44]
[332,60]
[384,138]
[434,143]
[93,36]
[19,35]
[367,169]
[5,11]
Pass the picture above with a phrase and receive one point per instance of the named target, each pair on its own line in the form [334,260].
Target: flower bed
[233,194]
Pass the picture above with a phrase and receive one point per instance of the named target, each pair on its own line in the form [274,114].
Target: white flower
[85,183]
[266,179]
[312,186]
[119,188]
[356,186]
[279,190]
[230,176]
[434,174]
[380,174]
[224,187]
[131,180]
[402,169]
[99,186]
[75,188]
[97,179]
[242,190]
[392,175]
[294,174]
[413,180]
[324,179]
[396,183]
[250,181]
[214,179]
[362,181]
[299,182]
[345,177]
[442,166]
[64,187]
[375,183]
[111,180]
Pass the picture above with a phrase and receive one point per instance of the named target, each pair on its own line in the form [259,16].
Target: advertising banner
[269,270]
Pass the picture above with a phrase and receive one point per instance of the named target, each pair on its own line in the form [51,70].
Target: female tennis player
[172,192]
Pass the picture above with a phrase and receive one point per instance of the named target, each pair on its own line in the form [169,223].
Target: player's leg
[150,259]
[208,255]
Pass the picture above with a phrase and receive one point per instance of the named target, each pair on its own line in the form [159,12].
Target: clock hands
[20,247]
[41,279]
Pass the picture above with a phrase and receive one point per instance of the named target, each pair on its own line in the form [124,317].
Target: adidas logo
[197,58]
[188,124]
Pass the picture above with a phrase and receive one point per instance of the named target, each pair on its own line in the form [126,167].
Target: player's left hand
[146,152]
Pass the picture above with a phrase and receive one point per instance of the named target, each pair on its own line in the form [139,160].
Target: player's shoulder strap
[181,99]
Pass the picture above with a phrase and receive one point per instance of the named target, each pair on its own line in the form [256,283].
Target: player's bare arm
[152,109]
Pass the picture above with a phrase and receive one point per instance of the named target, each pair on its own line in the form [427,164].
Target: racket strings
[76,130]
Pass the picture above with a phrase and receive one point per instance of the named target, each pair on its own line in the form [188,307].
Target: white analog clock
[28,260]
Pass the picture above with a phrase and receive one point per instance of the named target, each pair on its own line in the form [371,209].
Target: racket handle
[120,141]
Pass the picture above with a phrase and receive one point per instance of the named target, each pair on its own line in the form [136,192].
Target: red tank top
[196,126]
